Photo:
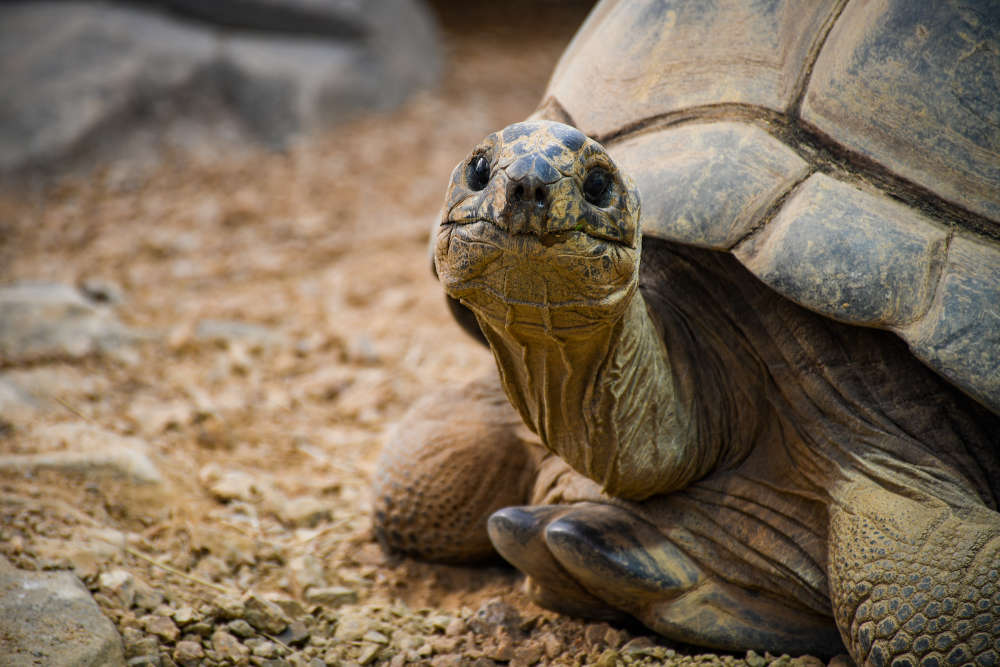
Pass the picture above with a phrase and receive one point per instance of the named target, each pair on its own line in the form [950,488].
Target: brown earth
[267,443]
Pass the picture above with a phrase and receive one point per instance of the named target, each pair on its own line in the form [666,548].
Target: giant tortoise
[760,411]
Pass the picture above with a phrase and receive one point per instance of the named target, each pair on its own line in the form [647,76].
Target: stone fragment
[306,511]
[295,634]
[263,614]
[227,485]
[500,647]
[609,658]
[305,572]
[119,586]
[188,653]
[352,626]
[50,618]
[147,597]
[183,615]
[528,653]
[228,647]
[331,596]
[229,607]
[263,648]
[368,653]
[241,628]
[161,626]
[495,613]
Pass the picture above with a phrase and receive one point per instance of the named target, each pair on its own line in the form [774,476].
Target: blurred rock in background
[93,79]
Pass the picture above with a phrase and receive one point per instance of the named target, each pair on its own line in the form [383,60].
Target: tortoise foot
[431,498]
[602,561]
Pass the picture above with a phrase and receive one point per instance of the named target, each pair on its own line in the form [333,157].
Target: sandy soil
[268,439]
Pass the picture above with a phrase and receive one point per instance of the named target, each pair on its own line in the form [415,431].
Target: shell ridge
[819,41]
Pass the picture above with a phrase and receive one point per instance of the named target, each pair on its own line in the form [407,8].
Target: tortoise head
[540,232]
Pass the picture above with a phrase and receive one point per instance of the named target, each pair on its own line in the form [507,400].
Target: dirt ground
[267,438]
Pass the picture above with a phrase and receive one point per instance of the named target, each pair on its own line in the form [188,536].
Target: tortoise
[740,274]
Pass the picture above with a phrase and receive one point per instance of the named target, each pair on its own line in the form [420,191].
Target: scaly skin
[915,583]
[743,473]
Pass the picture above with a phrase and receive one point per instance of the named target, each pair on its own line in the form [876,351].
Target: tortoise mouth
[561,280]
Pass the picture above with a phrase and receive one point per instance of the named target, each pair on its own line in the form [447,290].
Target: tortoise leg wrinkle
[632,566]
[456,457]
[912,586]
[518,534]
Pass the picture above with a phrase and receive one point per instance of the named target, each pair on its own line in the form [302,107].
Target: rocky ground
[196,442]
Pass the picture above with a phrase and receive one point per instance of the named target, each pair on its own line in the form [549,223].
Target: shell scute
[707,184]
[849,254]
[649,59]
[960,334]
[916,88]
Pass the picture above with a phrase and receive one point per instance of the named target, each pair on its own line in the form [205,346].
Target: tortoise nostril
[541,196]
[519,192]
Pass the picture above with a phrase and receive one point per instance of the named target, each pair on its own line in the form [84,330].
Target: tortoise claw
[618,556]
[518,533]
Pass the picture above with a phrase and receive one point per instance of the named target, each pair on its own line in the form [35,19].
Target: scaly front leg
[915,583]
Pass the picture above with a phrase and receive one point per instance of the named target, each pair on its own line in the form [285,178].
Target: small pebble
[119,586]
[228,647]
[183,615]
[528,653]
[188,652]
[368,653]
[375,637]
[331,596]
[264,649]
[241,628]
[263,614]
[161,626]
[609,658]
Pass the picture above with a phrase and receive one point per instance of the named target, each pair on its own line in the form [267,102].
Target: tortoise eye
[596,186]
[479,172]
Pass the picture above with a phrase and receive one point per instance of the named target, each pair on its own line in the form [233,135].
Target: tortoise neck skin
[539,237]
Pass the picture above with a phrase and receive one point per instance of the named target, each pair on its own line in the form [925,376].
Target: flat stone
[50,618]
[45,321]
[83,448]
[331,596]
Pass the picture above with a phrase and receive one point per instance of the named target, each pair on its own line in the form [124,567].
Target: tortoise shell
[847,153]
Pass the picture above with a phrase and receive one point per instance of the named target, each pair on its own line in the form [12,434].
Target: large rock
[49,618]
[85,70]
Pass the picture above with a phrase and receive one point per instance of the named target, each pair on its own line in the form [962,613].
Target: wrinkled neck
[605,402]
